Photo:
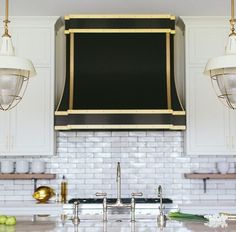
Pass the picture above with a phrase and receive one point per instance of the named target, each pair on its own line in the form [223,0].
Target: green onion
[186,216]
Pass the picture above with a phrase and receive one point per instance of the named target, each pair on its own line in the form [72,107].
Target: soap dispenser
[64,190]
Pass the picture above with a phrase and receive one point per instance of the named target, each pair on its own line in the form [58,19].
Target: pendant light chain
[6,20]
[232,20]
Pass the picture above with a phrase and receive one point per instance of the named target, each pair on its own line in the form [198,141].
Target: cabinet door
[33,43]
[4,132]
[207,118]
[32,120]
[206,42]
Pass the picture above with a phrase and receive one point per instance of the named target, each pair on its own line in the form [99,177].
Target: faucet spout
[160,196]
[118,180]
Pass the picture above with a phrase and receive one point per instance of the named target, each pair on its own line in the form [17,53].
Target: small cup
[22,166]
[7,166]
[222,167]
[38,166]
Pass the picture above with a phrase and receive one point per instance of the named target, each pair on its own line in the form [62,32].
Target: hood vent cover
[120,74]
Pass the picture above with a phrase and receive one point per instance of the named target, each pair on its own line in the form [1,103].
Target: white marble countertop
[116,223]
[209,207]
[55,209]
[54,224]
[30,208]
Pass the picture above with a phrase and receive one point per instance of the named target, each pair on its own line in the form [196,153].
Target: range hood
[120,74]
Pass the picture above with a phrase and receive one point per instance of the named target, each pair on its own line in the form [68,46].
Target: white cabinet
[211,126]
[28,129]
[4,137]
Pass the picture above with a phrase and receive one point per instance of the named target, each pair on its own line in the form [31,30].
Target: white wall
[148,158]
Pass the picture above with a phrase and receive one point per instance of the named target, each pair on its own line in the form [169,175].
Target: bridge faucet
[119,202]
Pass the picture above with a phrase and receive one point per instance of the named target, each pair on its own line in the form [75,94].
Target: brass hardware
[115,16]
[71,97]
[232,142]
[7,142]
[6,20]
[64,113]
[228,142]
[232,20]
[11,142]
[112,126]
[119,31]
[168,81]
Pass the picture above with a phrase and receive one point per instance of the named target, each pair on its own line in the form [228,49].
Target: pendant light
[14,71]
[222,69]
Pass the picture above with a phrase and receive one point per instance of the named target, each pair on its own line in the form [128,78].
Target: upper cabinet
[28,129]
[210,125]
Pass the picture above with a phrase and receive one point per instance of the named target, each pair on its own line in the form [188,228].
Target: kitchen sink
[92,208]
[124,200]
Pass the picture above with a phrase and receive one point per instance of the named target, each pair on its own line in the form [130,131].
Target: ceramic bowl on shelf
[38,166]
[222,167]
[7,166]
[22,166]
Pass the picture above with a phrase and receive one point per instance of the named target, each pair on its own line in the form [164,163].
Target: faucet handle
[104,195]
[139,194]
[101,194]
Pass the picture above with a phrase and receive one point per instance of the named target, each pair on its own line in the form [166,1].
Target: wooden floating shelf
[26,176]
[208,176]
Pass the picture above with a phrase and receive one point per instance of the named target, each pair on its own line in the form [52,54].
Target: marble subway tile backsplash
[148,158]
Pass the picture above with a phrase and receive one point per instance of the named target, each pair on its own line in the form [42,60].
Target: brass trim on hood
[149,126]
[120,16]
[119,31]
[168,79]
[71,97]
[120,112]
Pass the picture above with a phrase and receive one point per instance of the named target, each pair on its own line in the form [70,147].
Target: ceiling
[65,7]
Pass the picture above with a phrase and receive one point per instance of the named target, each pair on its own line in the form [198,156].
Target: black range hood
[120,74]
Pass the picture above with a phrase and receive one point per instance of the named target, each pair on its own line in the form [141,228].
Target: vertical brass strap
[168,81]
[232,20]
[232,9]
[71,96]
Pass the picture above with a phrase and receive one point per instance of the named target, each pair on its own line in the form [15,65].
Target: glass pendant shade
[14,71]
[222,71]
[14,74]
[10,88]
